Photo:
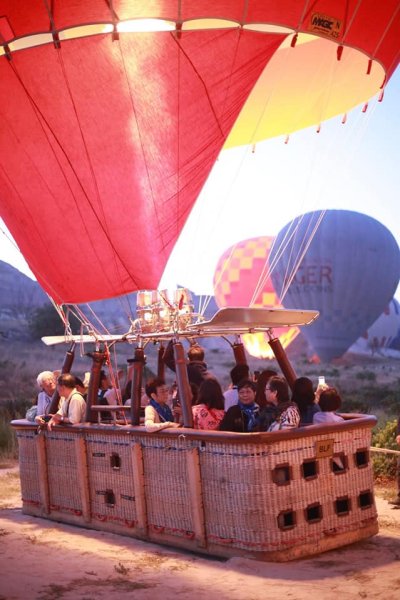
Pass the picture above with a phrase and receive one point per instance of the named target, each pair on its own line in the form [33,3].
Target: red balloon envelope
[241,278]
[113,114]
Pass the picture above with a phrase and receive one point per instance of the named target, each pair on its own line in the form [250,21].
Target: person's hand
[321,387]
[43,419]
[177,412]
[55,420]
[173,425]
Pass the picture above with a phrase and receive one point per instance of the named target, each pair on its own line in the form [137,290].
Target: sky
[255,191]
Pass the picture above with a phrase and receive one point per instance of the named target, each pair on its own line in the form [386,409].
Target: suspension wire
[267,270]
[301,255]
[318,157]
[264,276]
[206,301]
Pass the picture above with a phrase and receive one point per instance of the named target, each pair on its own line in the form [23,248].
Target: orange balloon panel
[241,279]
[303,86]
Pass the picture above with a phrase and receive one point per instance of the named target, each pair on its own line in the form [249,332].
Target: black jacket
[196,369]
[236,420]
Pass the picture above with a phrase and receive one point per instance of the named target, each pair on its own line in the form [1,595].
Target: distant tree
[46,321]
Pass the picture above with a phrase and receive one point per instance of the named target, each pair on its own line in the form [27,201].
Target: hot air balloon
[112,115]
[241,278]
[381,335]
[344,262]
[395,341]
[120,109]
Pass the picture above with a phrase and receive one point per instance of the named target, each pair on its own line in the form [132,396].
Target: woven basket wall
[255,497]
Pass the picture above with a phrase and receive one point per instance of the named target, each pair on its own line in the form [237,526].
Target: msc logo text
[325,25]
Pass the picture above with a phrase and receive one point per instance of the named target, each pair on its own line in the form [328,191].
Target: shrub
[8,439]
[332,372]
[384,465]
[366,375]
[10,409]
[355,404]
[46,321]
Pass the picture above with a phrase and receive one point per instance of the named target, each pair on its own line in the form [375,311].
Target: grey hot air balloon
[349,272]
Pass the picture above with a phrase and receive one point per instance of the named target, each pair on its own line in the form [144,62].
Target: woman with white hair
[47,383]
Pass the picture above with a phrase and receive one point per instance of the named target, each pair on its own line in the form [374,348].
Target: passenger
[47,383]
[262,381]
[144,399]
[231,396]
[196,367]
[329,403]
[243,416]
[73,406]
[104,386]
[209,410]
[195,391]
[277,393]
[80,386]
[321,387]
[113,394]
[304,396]
[86,379]
[173,396]
[174,400]
[126,394]
[157,414]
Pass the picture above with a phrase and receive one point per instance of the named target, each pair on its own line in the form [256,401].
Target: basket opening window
[365,499]
[109,498]
[342,506]
[309,469]
[339,463]
[287,519]
[361,458]
[313,513]
[282,475]
[115,461]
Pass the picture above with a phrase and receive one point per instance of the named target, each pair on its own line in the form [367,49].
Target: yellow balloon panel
[304,86]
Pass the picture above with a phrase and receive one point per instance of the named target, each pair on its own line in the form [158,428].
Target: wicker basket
[273,496]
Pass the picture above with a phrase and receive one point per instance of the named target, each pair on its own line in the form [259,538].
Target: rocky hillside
[20,296]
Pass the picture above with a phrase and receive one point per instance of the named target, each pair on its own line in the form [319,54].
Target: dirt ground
[43,560]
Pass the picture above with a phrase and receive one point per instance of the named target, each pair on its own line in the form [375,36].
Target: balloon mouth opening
[303,86]
[139,25]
